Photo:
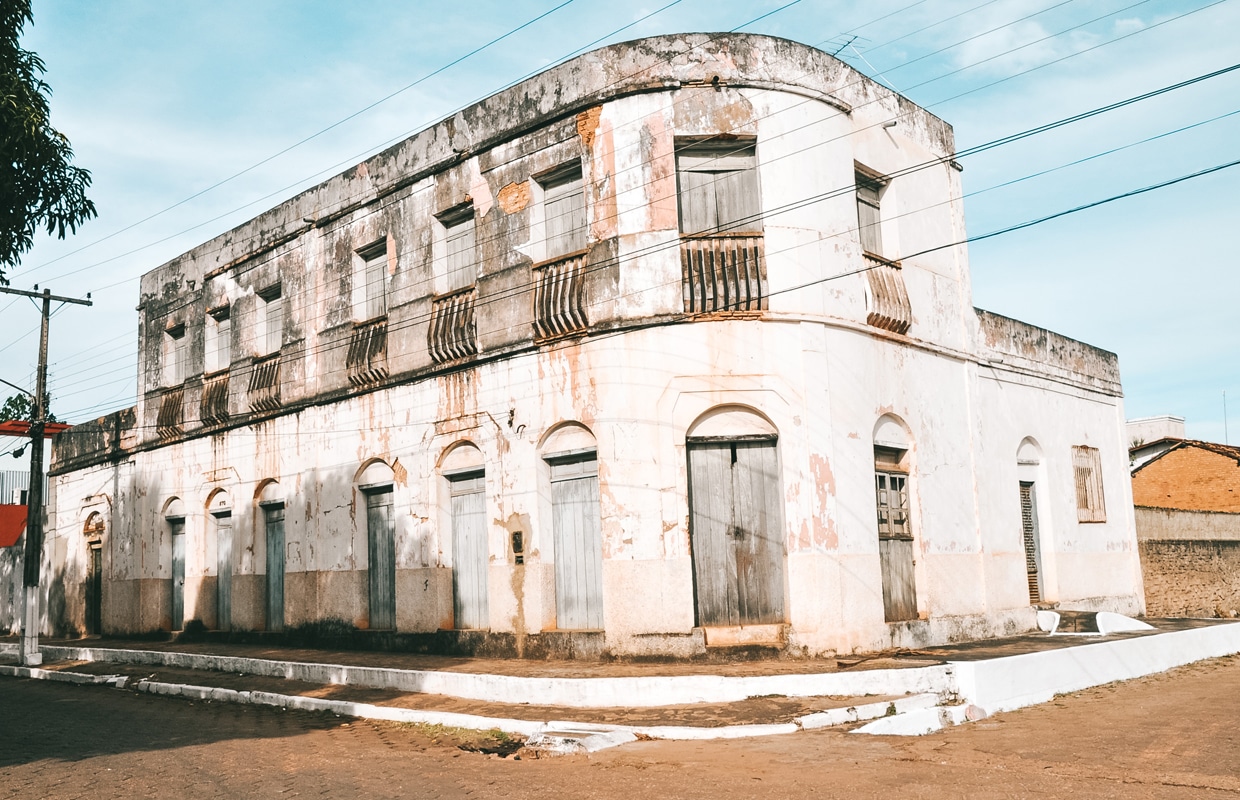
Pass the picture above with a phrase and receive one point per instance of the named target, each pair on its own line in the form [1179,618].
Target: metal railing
[724,272]
[559,296]
[453,332]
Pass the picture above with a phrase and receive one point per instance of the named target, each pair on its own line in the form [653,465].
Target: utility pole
[30,655]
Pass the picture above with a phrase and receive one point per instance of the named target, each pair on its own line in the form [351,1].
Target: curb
[60,676]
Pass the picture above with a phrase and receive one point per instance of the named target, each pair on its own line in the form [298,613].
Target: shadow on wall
[11,560]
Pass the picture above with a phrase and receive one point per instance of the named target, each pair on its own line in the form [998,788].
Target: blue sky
[162,101]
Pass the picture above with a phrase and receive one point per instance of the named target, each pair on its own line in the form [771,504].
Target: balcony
[264,390]
[559,296]
[724,273]
[453,332]
[367,358]
[889,305]
[213,410]
[171,420]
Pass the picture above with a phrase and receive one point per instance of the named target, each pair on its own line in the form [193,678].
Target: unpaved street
[1172,735]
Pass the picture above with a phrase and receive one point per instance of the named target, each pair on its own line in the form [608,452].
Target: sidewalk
[909,692]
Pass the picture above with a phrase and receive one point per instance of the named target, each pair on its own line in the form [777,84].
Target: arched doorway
[463,469]
[1028,464]
[93,532]
[896,553]
[375,481]
[736,530]
[271,504]
[219,509]
[174,519]
[572,465]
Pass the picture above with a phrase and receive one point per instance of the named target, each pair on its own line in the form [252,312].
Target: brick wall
[1197,476]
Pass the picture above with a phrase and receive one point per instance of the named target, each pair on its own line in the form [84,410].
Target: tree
[20,406]
[39,186]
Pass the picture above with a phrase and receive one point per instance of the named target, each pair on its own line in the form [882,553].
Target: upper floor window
[869,217]
[218,345]
[1087,475]
[175,355]
[718,187]
[564,210]
[270,329]
[371,276]
[457,264]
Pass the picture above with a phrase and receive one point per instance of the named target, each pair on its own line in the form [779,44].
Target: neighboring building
[625,358]
[1187,500]
[1151,436]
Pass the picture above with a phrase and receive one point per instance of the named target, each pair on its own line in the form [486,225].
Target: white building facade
[669,348]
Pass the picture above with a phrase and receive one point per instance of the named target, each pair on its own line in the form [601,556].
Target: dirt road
[1173,735]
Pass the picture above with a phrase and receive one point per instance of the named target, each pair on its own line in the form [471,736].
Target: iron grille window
[718,187]
[1087,474]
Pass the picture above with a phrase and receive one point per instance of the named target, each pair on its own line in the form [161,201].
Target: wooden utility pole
[30,655]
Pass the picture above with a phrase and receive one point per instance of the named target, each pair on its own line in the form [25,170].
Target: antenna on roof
[1226,440]
[840,49]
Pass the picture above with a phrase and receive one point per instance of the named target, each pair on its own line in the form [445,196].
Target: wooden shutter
[578,544]
[470,554]
[381,529]
[224,571]
[274,519]
[176,528]
[564,210]
[1029,534]
[1087,477]
[718,188]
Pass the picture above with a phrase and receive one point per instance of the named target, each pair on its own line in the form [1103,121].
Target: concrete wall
[965,388]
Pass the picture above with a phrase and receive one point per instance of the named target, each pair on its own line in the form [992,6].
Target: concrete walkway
[568,707]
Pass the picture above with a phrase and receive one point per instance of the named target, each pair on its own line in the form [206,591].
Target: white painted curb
[61,676]
[630,692]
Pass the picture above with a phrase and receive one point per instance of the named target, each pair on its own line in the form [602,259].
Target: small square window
[218,343]
[718,187]
[457,268]
[564,211]
[175,353]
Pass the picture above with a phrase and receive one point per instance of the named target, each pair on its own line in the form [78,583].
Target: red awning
[20,427]
[12,523]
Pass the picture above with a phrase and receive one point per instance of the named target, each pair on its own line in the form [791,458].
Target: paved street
[1171,735]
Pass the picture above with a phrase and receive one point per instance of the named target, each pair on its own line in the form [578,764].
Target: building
[668,348]
[1187,497]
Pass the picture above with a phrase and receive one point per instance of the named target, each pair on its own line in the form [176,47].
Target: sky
[196,116]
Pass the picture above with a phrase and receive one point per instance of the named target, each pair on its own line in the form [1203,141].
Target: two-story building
[670,347]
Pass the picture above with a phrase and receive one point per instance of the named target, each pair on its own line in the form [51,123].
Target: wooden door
[470,555]
[224,570]
[895,547]
[94,587]
[177,529]
[1029,531]
[274,523]
[381,539]
[578,545]
[736,532]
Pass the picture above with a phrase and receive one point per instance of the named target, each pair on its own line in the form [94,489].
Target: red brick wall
[1190,478]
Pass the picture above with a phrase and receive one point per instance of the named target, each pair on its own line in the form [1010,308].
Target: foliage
[19,406]
[39,186]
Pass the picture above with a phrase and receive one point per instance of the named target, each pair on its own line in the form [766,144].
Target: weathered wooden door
[1029,530]
[381,541]
[895,547]
[273,517]
[578,544]
[736,532]
[94,587]
[177,529]
[224,570]
[470,555]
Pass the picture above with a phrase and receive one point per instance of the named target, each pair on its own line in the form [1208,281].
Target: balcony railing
[213,410]
[171,420]
[889,305]
[724,273]
[453,334]
[264,390]
[367,359]
[559,296]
